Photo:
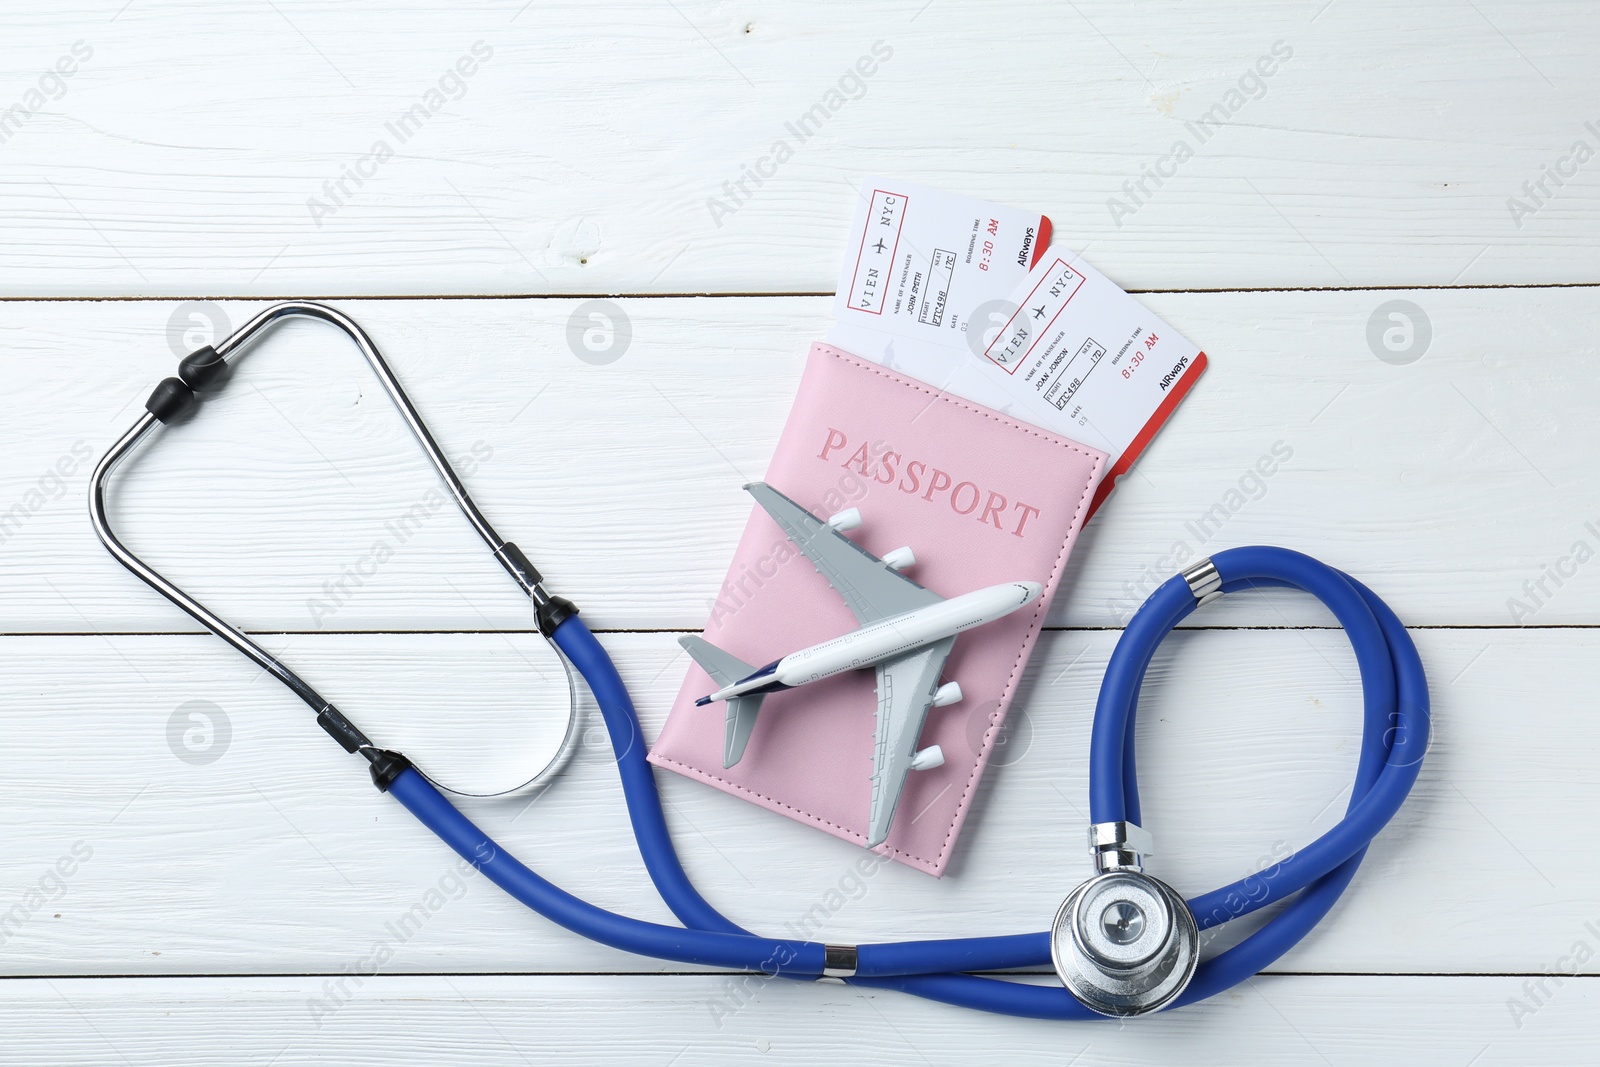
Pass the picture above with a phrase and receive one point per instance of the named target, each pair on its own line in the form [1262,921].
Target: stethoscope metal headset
[1124,943]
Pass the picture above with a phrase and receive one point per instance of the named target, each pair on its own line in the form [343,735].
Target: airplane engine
[845,520]
[900,558]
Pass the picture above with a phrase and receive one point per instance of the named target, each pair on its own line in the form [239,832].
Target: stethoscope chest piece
[1124,943]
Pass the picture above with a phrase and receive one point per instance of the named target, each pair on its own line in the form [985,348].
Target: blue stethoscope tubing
[1394,739]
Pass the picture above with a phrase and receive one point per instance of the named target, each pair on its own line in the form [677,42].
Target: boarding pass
[920,261]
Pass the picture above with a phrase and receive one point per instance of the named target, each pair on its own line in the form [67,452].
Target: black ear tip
[202,368]
[169,399]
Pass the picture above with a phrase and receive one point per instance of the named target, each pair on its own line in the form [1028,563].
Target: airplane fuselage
[884,639]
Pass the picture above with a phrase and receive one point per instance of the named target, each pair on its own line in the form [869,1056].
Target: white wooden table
[227,891]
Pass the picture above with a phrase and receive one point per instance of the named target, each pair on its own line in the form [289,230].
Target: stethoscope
[1124,943]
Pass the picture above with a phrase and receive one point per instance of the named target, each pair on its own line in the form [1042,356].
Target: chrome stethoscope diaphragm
[1123,943]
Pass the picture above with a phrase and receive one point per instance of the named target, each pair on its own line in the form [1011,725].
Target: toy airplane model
[906,632]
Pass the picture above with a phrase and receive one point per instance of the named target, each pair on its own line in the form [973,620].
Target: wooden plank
[279,856]
[336,150]
[1457,486]
[517,1020]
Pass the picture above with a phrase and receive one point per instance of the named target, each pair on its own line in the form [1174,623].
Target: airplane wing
[870,587]
[905,692]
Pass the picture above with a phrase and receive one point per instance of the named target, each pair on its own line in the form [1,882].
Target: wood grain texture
[278,856]
[1453,486]
[577,1019]
[189,867]
[184,155]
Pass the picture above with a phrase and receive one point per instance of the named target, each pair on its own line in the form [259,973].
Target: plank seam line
[644,631]
[756,295]
[189,975]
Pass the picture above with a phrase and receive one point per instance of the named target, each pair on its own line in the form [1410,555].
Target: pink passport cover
[981,499]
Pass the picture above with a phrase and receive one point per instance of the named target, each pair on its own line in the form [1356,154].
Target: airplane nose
[1030,591]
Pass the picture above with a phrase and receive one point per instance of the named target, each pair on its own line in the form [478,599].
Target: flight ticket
[970,297]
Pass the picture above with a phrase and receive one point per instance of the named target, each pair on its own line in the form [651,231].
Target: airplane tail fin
[725,669]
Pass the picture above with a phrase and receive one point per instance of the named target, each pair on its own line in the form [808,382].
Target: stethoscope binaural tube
[206,370]
[1394,739]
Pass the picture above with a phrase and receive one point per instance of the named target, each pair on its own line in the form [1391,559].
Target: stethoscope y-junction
[1123,943]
